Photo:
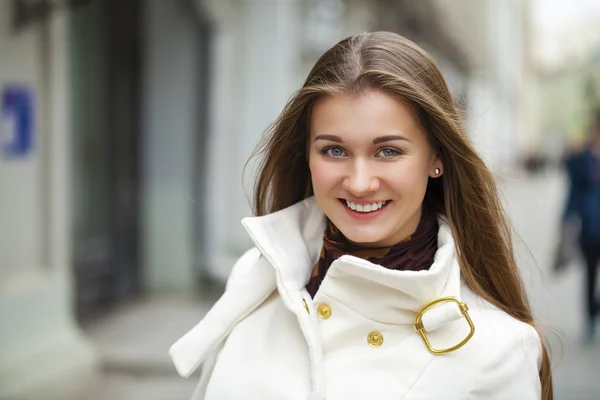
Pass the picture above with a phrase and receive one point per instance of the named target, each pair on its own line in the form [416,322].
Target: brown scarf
[414,253]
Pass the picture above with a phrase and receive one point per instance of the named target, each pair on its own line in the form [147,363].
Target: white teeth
[365,208]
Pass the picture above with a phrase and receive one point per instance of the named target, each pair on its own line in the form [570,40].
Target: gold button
[306,306]
[375,339]
[324,311]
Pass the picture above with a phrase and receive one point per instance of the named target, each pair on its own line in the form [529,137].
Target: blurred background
[125,127]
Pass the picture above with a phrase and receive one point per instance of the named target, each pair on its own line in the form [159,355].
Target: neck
[415,254]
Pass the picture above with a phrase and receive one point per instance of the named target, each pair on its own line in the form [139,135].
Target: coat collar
[291,239]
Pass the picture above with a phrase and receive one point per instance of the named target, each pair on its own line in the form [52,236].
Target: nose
[360,180]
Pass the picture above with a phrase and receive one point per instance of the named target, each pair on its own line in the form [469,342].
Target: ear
[437,168]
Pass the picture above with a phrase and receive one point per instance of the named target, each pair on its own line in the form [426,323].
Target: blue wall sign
[17,121]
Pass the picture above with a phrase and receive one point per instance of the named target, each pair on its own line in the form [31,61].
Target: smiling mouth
[365,208]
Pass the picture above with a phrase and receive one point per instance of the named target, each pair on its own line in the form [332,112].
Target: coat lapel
[254,282]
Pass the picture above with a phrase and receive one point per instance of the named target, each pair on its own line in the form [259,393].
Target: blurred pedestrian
[583,206]
[383,265]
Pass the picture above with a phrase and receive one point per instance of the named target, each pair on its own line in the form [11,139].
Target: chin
[362,237]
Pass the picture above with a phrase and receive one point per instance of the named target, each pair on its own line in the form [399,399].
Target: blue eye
[335,152]
[388,152]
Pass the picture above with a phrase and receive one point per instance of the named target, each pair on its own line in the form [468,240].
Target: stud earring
[437,171]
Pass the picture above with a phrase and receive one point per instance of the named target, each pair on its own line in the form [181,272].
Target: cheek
[410,180]
[321,178]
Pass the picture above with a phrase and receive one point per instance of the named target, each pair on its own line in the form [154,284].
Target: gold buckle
[464,310]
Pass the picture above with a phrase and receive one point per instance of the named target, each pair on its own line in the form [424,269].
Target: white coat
[267,339]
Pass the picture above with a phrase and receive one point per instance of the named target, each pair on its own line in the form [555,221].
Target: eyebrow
[331,138]
[389,138]
[377,140]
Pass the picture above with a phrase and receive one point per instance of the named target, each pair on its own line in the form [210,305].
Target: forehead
[367,115]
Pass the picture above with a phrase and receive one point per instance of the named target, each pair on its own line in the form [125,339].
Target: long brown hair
[466,194]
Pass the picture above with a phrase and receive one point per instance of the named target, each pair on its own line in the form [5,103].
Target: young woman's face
[370,161]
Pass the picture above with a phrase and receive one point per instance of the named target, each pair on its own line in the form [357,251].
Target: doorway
[106,69]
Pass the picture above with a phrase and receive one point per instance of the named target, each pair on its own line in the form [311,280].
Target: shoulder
[513,341]
[498,327]
[508,350]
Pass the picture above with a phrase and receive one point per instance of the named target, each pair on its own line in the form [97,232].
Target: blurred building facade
[567,99]
[147,111]
[41,346]
[568,88]
[566,64]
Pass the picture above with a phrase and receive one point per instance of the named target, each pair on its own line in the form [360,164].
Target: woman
[371,205]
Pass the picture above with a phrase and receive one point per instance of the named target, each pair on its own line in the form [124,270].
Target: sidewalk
[133,344]
[534,205]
